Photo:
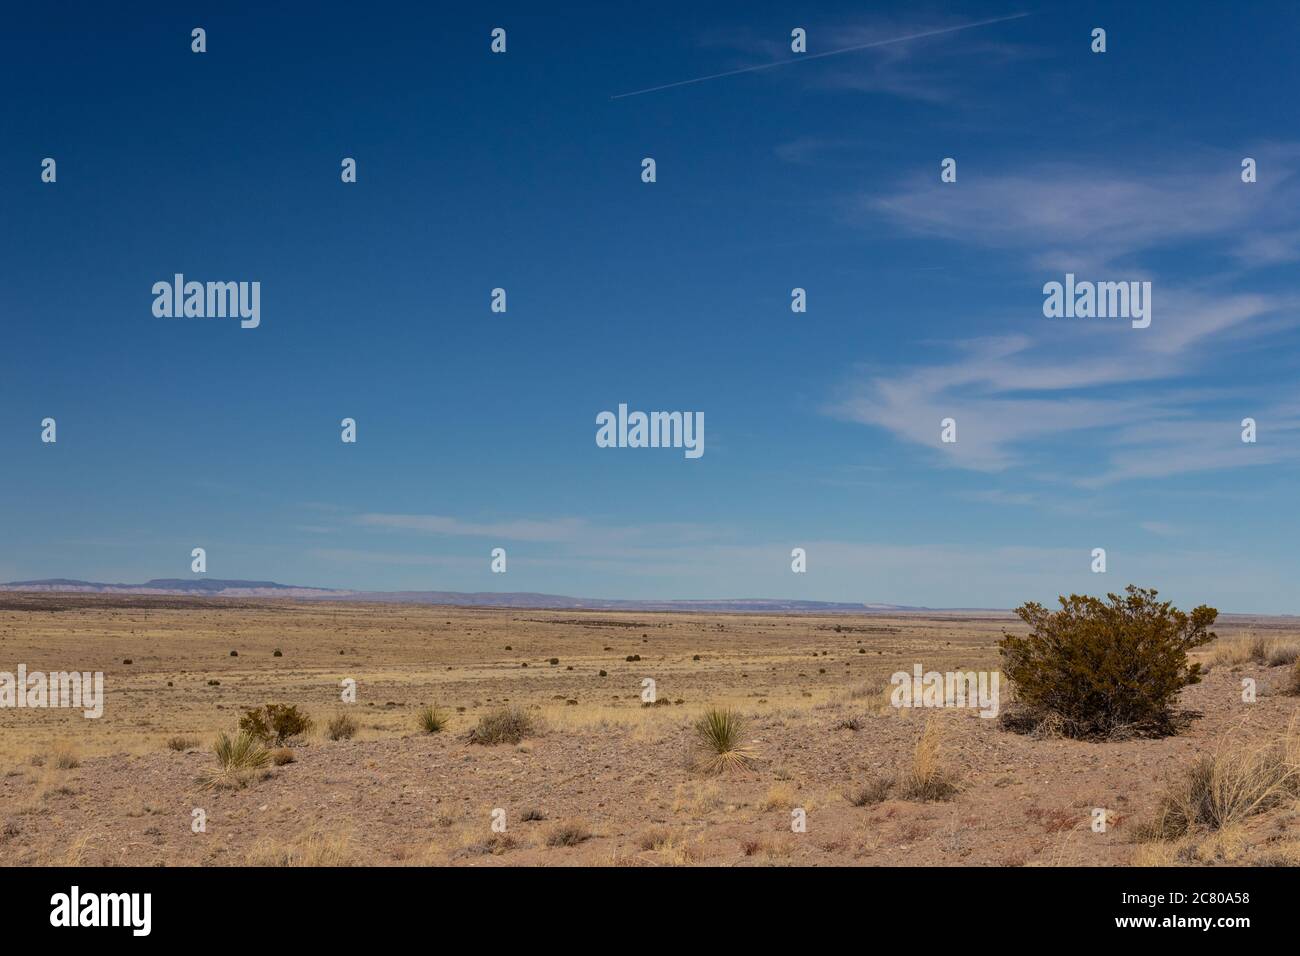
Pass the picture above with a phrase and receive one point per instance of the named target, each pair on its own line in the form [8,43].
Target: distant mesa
[195,586]
[214,587]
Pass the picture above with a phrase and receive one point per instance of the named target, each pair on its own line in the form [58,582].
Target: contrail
[817,56]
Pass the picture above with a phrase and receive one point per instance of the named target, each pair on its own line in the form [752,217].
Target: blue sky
[522,170]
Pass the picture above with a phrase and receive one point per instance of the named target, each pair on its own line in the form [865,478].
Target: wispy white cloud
[1121,390]
[564,530]
[557,529]
[1075,216]
[923,58]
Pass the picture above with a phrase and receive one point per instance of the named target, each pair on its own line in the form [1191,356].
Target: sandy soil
[615,773]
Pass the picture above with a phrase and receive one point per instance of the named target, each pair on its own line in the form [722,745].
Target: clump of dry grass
[701,800]
[874,791]
[432,719]
[780,796]
[282,755]
[312,848]
[1248,650]
[719,733]
[570,833]
[238,758]
[1222,789]
[181,744]
[341,727]
[65,758]
[1282,655]
[654,839]
[1292,686]
[927,778]
[506,725]
[499,843]
[669,850]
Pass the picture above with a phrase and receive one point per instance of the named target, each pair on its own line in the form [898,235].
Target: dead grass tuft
[927,778]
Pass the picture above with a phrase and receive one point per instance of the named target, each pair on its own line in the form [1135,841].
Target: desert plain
[606,778]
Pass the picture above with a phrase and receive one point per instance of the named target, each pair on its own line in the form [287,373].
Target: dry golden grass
[606,760]
[1283,654]
[780,796]
[697,799]
[341,726]
[568,833]
[1250,649]
[1292,685]
[183,681]
[505,725]
[661,847]
[927,778]
[874,790]
[1221,790]
[312,847]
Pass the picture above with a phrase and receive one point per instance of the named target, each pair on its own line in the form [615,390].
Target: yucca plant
[719,732]
[237,758]
[432,719]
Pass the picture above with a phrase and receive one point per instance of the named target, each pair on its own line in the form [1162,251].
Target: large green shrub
[1103,668]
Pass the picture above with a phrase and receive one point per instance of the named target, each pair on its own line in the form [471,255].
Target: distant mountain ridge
[197,586]
[215,587]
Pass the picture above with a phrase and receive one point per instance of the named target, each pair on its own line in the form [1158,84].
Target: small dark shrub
[872,792]
[274,723]
[277,653]
[341,727]
[1097,669]
[508,725]
[568,834]
[1292,686]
